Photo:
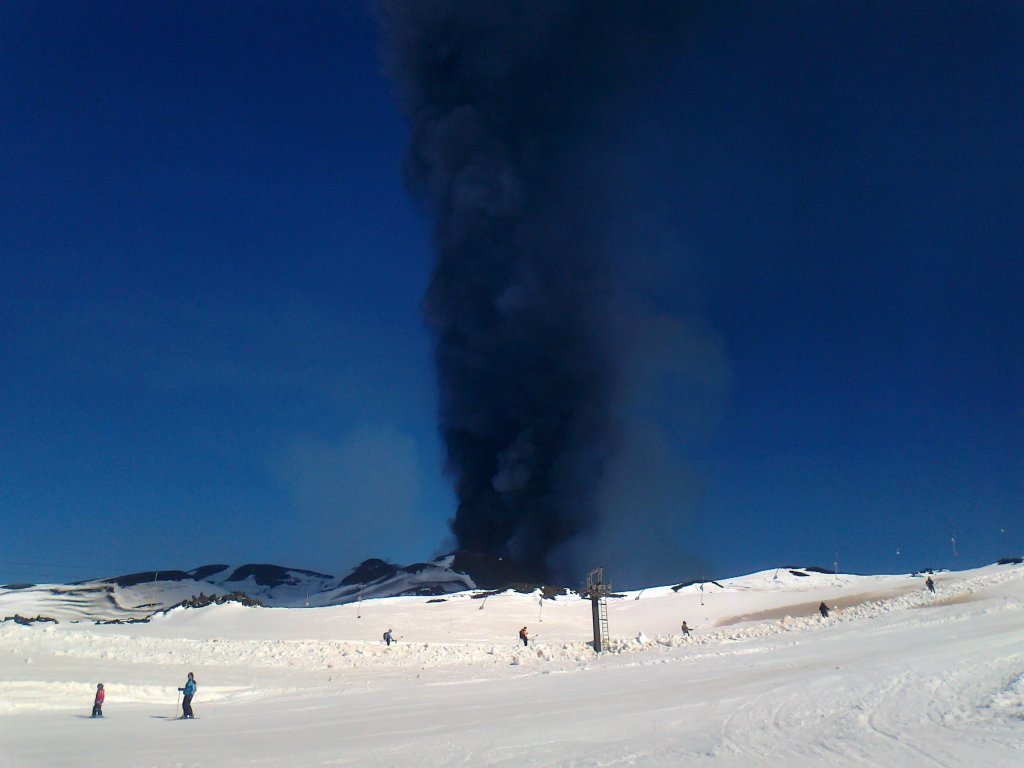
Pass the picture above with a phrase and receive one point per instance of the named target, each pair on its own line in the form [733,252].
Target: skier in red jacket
[97,704]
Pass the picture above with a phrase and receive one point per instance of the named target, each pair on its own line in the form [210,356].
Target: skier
[930,584]
[686,629]
[186,702]
[523,637]
[388,638]
[97,703]
[823,610]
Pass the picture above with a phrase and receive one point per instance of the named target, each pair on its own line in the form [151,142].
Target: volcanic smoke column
[508,102]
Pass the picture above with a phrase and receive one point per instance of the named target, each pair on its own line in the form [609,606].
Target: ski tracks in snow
[948,706]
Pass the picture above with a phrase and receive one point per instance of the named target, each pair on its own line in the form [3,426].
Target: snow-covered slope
[139,595]
[895,676]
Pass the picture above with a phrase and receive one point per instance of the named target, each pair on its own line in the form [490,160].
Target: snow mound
[1010,700]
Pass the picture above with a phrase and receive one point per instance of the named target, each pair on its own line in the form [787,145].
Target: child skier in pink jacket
[97,704]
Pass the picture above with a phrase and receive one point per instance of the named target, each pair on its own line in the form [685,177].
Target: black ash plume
[511,104]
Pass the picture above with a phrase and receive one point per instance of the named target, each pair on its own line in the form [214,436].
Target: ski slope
[896,676]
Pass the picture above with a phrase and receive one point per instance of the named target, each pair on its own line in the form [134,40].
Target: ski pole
[176,703]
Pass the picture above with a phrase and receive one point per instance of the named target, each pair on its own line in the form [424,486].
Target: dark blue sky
[210,277]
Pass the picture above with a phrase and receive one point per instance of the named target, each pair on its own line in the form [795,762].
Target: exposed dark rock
[798,573]
[134,579]
[546,592]
[415,567]
[204,600]
[1010,561]
[522,587]
[122,621]
[206,571]
[551,592]
[424,590]
[25,621]
[819,569]
[370,571]
[16,586]
[685,584]
[271,575]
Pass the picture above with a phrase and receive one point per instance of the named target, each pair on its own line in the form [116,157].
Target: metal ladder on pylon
[602,607]
[598,591]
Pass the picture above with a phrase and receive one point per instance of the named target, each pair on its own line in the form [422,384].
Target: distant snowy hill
[138,595]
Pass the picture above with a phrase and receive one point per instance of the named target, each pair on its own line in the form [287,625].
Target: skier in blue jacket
[186,702]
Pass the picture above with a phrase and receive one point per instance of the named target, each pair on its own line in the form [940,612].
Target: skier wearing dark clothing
[930,584]
[823,610]
[186,702]
[97,703]
[523,637]
[686,629]
[388,638]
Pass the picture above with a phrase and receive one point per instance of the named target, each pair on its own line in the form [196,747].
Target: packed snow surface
[895,676]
